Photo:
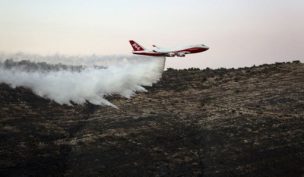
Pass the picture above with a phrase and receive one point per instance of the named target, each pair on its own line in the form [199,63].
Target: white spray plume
[86,82]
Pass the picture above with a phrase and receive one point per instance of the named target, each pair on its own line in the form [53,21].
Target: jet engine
[181,54]
[171,54]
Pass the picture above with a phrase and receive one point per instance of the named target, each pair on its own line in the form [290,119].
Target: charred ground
[224,122]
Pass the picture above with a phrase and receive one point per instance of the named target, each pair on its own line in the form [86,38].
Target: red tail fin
[135,46]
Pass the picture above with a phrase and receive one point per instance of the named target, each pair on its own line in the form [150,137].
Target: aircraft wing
[163,50]
[171,53]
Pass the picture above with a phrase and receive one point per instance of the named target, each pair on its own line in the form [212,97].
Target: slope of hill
[225,122]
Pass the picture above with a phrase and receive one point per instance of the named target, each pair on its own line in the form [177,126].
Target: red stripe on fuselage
[150,54]
[193,50]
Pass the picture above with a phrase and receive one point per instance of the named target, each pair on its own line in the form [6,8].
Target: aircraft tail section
[136,46]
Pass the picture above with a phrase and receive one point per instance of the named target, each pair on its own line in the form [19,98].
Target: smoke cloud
[80,79]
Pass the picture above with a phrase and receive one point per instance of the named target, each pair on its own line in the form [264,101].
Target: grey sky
[239,32]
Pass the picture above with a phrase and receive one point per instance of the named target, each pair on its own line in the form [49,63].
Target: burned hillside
[215,123]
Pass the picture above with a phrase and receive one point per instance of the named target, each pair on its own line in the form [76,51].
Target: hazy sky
[238,32]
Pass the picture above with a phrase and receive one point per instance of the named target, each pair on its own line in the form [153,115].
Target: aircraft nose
[205,47]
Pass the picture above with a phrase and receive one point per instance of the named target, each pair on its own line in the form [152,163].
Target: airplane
[160,52]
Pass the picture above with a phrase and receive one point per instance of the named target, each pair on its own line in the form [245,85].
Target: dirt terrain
[213,123]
